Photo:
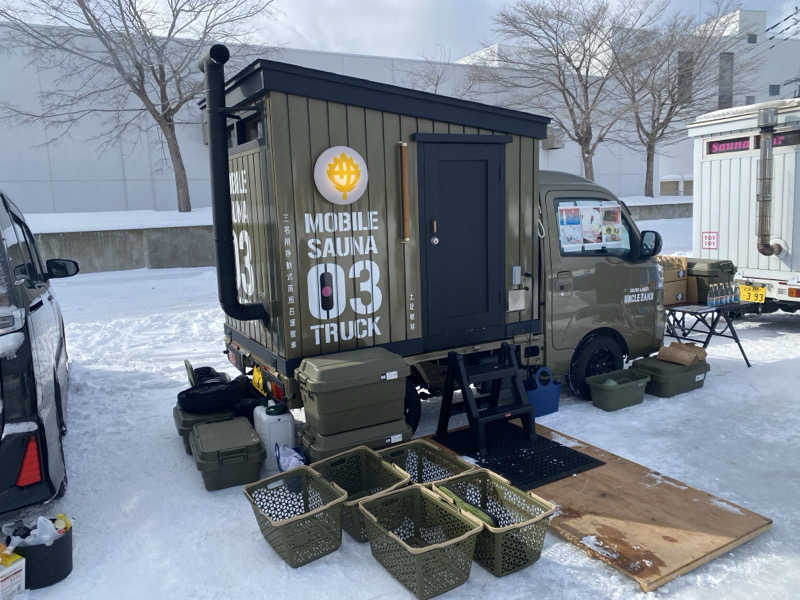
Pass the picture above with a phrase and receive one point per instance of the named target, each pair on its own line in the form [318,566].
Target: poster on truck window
[592,225]
[612,225]
[569,228]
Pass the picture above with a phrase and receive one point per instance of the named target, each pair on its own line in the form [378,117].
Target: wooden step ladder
[503,369]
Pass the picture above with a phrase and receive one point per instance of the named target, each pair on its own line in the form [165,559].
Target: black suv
[33,368]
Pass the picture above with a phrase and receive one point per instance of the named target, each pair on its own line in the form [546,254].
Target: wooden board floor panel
[650,527]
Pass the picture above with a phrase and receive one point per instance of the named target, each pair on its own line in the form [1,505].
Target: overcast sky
[413,28]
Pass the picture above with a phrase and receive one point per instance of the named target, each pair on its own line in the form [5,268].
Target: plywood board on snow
[648,526]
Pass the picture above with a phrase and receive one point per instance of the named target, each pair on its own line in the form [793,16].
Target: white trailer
[746,205]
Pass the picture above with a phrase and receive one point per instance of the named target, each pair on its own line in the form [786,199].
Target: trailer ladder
[495,373]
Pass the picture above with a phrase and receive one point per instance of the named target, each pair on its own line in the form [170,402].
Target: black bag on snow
[238,395]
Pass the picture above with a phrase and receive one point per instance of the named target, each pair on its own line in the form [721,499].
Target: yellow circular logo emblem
[340,175]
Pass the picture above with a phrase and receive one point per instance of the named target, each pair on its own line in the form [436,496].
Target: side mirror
[61,267]
[651,244]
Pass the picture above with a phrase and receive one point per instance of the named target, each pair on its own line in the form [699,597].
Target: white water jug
[274,425]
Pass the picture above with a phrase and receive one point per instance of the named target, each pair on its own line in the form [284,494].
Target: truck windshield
[592,227]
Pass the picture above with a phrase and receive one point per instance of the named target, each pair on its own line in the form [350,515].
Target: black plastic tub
[46,565]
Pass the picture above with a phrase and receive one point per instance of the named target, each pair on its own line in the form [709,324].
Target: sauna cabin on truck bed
[350,214]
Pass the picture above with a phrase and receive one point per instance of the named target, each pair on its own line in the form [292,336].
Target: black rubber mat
[526,463]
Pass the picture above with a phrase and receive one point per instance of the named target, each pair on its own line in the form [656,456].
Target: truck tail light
[29,471]
[276,390]
[794,292]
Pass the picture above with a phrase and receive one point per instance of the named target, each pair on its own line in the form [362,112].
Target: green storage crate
[515,522]
[352,390]
[425,462]
[316,447]
[299,514]
[421,539]
[185,421]
[227,453]
[362,473]
[670,379]
[617,389]
[708,271]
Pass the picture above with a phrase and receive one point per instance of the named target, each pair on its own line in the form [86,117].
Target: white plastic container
[273,429]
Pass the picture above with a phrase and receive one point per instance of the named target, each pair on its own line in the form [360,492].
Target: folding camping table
[706,323]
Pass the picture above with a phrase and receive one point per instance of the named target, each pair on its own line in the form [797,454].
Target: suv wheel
[598,355]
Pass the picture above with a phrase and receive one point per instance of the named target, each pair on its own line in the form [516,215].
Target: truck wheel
[412,406]
[600,354]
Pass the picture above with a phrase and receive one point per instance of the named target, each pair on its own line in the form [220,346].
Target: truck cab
[602,289]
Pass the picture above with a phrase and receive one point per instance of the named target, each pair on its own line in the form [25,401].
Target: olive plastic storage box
[515,522]
[617,389]
[670,379]
[421,539]
[227,453]
[708,271]
[351,390]
[185,421]
[425,462]
[316,447]
[299,514]
[362,473]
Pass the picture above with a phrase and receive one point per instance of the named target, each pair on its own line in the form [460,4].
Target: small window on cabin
[592,227]
[750,100]
[248,129]
[752,38]
[231,136]
[774,89]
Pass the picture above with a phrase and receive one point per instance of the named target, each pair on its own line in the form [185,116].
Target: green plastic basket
[299,514]
[424,461]
[362,473]
[515,522]
[422,540]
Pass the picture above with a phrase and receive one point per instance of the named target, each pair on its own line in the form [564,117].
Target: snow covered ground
[146,528]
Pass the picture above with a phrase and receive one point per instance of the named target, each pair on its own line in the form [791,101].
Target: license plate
[751,293]
[258,380]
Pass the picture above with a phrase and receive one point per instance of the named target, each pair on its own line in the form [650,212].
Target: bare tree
[560,63]
[438,74]
[124,63]
[672,72]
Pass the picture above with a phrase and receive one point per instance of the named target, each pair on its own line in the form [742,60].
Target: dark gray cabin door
[462,208]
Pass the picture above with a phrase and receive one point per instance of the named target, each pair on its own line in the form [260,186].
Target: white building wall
[73,174]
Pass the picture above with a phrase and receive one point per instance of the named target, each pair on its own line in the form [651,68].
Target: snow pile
[146,528]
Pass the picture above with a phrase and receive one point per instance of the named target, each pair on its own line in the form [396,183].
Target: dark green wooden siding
[298,129]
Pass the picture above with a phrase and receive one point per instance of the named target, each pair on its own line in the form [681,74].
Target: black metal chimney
[213,65]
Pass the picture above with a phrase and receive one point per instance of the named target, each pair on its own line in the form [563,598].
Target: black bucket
[46,565]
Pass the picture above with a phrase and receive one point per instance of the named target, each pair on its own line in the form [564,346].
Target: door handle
[564,281]
[37,304]
[435,225]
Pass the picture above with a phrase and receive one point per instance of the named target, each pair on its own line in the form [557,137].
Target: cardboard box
[682,354]
[675,292]
[692,295]
[12,577]
[675,267]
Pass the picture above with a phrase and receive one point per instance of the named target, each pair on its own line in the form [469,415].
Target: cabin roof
[262,76]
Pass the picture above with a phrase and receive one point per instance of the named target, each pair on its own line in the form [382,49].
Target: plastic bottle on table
[736,297]
[712,295]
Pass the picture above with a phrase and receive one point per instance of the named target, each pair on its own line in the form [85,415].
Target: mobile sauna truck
[365,231]
[747,198]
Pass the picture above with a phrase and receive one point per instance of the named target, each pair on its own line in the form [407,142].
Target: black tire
[597,355]
[412,406]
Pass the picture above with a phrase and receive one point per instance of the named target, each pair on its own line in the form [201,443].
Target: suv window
[592,227]
[26,260]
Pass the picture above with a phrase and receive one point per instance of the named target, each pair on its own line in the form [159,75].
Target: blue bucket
[543,391]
